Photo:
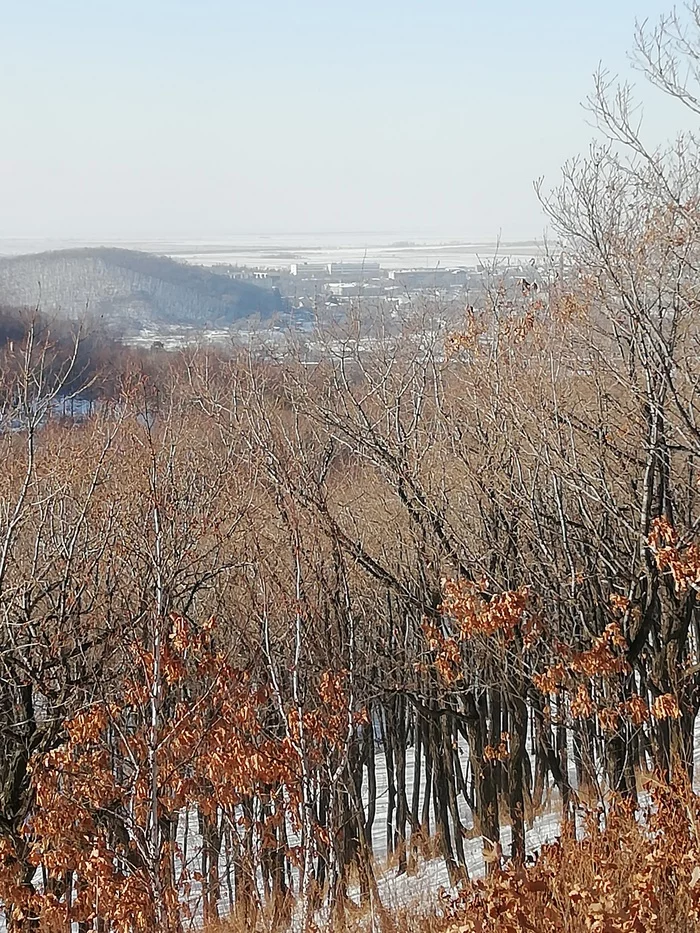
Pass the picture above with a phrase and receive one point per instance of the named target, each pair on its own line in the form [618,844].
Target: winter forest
[272,633]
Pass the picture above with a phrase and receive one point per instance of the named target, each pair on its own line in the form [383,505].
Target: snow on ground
[422,883]
[426,877]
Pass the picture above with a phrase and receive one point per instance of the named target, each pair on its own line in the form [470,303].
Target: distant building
[338,271]
[354,290]
[268,277]
[430,278]
[354,270]
[309,270]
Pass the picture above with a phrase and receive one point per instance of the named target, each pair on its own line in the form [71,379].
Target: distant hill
[129,290]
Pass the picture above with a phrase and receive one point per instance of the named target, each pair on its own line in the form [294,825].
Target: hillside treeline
[126,290]
[77,359]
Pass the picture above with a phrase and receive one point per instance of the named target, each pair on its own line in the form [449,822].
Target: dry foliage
[626,875]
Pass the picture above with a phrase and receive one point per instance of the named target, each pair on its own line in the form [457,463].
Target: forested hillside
[129,289]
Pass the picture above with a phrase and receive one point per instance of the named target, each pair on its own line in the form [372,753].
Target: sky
[201,119]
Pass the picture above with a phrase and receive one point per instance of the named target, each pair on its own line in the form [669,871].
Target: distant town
[328,290]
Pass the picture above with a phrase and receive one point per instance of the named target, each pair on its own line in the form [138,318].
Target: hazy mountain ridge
[129,289]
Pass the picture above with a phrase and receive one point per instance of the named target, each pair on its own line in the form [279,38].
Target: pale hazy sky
[202,118]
